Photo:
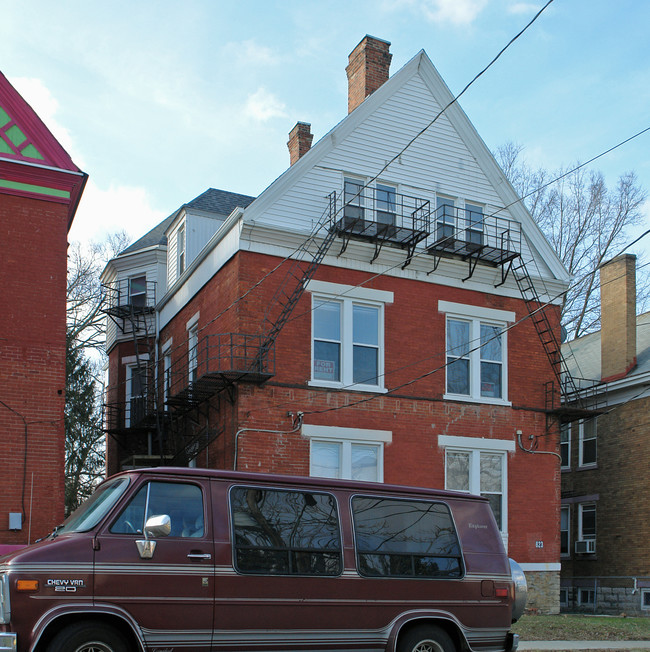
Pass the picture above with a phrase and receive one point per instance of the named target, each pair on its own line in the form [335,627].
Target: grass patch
[582,628]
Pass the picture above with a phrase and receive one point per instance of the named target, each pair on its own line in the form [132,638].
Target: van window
[182,502]
[405,538]
[285,532]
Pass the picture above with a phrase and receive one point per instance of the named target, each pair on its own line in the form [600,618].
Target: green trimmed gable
[14,141]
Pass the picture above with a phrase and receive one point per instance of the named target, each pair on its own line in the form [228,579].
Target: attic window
[180,249]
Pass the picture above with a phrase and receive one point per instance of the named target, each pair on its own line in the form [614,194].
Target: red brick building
[40,188]
[605,463]
[366,316]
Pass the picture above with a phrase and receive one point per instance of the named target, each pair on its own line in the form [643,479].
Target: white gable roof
[449,158]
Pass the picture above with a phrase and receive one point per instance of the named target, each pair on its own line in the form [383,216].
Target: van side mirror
[156,526]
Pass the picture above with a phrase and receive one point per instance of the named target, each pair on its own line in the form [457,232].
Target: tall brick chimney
[367,70]
[300,138]
[618,317]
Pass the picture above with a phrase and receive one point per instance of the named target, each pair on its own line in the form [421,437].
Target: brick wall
[32,364]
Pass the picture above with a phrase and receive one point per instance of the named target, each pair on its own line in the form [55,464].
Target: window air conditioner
[586,547]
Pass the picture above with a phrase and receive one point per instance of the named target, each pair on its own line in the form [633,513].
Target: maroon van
[167,559]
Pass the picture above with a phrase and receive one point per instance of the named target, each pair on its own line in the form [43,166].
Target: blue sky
[159,100]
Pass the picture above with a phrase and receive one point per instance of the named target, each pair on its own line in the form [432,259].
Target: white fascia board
[490,168]
[219,249]
[330,140]
[272,241]
[141,258]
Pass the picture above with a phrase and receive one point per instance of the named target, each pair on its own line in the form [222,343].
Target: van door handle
[199,555]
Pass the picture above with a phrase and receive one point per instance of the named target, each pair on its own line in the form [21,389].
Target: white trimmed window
[479,466]
[347,336]
[192,328]
[565,445]
[565,531]
[645,599]
[136,393]
[587,521]
[180,250]
[588,442]
[476,346]
[349,453]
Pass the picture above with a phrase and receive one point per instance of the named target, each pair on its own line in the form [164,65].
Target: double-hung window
[588,442]
[180,249]
[565,530]
[565,445]
[350,453]
[476,352]
[347,336]
[445,219]
[474,224]
[479,470]
[587,521]
[138,291]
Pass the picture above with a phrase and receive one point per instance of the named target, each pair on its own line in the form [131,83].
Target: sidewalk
[583,645]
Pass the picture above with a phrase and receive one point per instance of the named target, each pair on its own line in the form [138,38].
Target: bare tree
[86,324]
[586,222]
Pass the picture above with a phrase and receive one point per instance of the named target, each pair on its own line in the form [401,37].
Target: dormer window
[180,249]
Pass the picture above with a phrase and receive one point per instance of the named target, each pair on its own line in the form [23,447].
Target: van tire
[89,636]
[426,638]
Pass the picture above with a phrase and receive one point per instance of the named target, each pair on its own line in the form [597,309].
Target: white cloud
[102,212]
[456,12]
[46,106]
[250,52]
[263,105]
[523,8]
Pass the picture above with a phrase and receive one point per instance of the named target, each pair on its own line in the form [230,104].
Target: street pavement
[583,645]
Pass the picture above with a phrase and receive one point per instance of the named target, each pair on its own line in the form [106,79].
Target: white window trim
[133,359]
[568,444]
[347,296]
[128,390]
[581,506]
[644,592]
[566,555]
[476,446]
[581,438]
[347,437]
[192,321]
[479,315]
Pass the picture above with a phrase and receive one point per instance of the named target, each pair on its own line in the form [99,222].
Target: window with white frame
[136,393]
[138,291]
[167,378]
[586,596]
[479,467]
[353,198]
[180,249]
[347,336]
[588,442]
[192,328]
[445,219]
[476,352]
[349,453]
[645,599]
[565,446]
[587,521]
[474,224]
[565,530]
[385,199]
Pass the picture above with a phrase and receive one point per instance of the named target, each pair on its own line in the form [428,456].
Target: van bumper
[512,642]
[8,642]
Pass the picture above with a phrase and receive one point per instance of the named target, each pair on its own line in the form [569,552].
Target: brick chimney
[367,69]
[300,138]
[618,317]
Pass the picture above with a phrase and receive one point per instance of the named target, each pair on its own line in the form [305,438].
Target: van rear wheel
[89,636]
[426,638]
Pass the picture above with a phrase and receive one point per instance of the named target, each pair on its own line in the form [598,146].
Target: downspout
[296,427]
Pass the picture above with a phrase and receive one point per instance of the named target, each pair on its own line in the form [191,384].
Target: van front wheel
[88,636]
[426,638]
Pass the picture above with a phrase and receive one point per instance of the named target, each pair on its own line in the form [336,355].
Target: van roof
[325,484]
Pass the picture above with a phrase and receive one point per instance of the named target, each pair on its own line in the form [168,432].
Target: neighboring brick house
[365,316]
[40,188]
[605,461]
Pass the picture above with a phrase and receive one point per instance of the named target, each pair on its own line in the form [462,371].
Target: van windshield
[89,513]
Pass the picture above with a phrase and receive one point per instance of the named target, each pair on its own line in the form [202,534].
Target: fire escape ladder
[539,315]
[300,271]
